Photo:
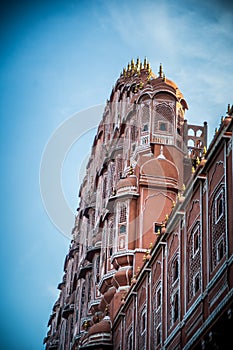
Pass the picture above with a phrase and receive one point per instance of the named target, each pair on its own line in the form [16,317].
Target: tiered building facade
[150,265]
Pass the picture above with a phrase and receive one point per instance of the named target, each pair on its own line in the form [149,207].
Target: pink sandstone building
[150,265]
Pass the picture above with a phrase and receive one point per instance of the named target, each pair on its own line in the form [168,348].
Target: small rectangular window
[220,250]
[158,298]
[163,126]
[196,284]
[219,206]
[157,228]
[122,229]
[145,127]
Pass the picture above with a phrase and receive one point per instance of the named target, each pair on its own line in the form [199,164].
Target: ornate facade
[150,265]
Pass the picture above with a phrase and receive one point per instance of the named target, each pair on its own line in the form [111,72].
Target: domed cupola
[159,172]
[99,336]
[127,185]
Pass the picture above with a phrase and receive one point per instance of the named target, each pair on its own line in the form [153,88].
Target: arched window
[145,118]
[196,240]
[175,270]
[158,297]
[191,132]
[219,206]
[130,340]
[158,335]
[218,227]
[190,143]
[196,283]
[175,307]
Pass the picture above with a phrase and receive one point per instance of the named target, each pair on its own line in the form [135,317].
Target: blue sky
[58,59]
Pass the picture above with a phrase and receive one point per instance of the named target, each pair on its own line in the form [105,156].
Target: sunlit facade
[150,265]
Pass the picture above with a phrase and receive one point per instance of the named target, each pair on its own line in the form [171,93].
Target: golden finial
[204,150]
[140,67]
[158,232]
[139,268]
[151,245]
[228,108]
[193,170]
[132,63]
[222,118]
[131,170]
[183,187]
[106,310]
[85,326]
[173,204]
[197,160]
[160,70]
[134,280]
[136,88]
[164,77]
[166,217]
[216,130]
[138,62]
[141,85]
[145,63]
[124,72]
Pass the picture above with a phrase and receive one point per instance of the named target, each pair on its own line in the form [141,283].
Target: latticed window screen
[194,261]
[83,297]
[105,187]
[218,227]
[123,213]
[145,118]
[163,117]
[119,167]
[173,289]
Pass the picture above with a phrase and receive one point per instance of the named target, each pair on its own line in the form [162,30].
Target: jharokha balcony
[69,306]
[122,259]
[91,251]
[106,282]
[84,269]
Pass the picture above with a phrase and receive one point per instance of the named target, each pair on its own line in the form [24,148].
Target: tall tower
[141,161]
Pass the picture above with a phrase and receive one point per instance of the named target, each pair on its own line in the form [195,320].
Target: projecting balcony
[121,259]
[162,139]
[106,282]
[68,309]
[53,344]
[93,306]
[73,249]
[84,269]
[99,336]
[51,318]
[91,251]
[69,306]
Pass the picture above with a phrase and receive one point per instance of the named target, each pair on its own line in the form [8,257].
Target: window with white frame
[219,207]
[122,221]
[158,297]
[220,249]
[196,283]
[196,240]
